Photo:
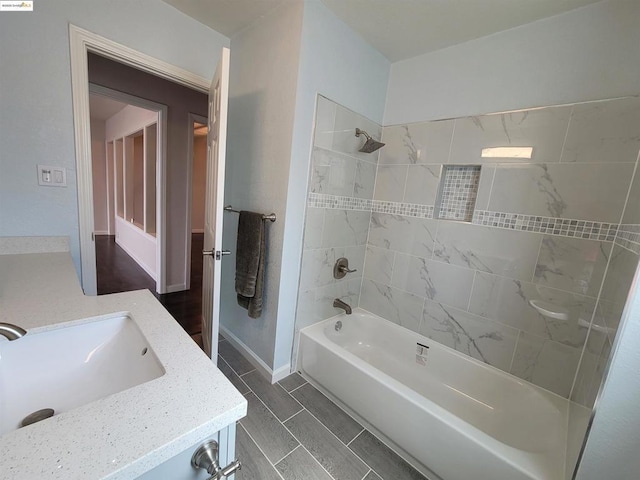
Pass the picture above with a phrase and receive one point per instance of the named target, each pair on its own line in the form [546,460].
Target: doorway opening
[173,229]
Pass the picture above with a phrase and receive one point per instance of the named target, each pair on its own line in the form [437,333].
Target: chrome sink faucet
[11,332]
[340,304]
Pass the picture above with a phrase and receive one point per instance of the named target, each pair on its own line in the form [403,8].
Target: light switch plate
[50,176]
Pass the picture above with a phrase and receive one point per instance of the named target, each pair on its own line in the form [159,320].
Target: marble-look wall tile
[344,134]
[592,389]
[548,364]
[543,129]
[422,184]
[379,264]
[365,179]
[317,267]
[487,172]
[325,119]
[348,291]
[332,173]
[410,235]
[319,182]
[316,305]
[615,289]
[417,143]
[511,302]
[392,304]
[313,228]
[595,192]
[632,207]
[345,227]
[503,252]
[483,339]
[305,312]
[584,375]
[619,275]
[390,183]
[572,264]
[356,256]
[607,131]
[433,280]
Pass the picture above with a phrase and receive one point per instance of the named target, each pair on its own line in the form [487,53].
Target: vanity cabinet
[179,467]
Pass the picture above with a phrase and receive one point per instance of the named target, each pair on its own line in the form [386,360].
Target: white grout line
[367,474]
[566,134]
[261,451]
[288,418]
[296,448]
[515,348]
[359,433]
[297,388]
[473,283]
[246,373]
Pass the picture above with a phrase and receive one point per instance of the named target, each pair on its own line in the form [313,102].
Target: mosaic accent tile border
[459,189]
[319,200]
[629,237]
[563,227]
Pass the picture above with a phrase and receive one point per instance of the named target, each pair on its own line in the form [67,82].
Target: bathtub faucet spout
[340,304]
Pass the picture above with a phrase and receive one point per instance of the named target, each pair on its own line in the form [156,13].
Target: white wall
[262,98]
[99,169]
[587,54]
[36,91]
[129,120]
[133,240]
[339,64]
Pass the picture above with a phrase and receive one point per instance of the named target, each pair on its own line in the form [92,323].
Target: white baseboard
[280,373]
[142,265]
[101,232]
[256,361]
[177,287]
[197,230]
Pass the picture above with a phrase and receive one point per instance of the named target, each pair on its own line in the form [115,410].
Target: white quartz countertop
[126,434]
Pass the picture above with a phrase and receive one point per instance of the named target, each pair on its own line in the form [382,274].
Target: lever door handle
[217,253]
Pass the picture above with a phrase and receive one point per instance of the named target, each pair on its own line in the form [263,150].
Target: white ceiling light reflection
[507,152]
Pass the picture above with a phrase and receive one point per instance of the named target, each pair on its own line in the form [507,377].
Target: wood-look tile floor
[294,432]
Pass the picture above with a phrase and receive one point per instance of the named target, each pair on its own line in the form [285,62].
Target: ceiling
[103,108]
[399,29]
[226,16]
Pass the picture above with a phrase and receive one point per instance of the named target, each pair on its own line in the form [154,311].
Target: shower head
[370,145]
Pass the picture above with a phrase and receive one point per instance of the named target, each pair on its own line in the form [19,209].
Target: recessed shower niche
[457,192]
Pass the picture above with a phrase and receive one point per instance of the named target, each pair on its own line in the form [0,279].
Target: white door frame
[81,42]
[193,117]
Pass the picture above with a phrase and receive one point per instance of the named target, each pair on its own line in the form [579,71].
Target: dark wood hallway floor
[118,272]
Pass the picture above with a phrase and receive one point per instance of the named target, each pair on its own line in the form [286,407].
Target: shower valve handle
[341,268]
[345,269]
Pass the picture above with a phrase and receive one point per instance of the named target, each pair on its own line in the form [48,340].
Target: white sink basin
[71,366]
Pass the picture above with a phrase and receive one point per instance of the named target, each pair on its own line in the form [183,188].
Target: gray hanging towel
[250,262]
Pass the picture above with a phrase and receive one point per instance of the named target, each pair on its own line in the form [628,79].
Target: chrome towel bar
[272,216]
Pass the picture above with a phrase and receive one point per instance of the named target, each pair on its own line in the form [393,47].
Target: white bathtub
[459,418]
